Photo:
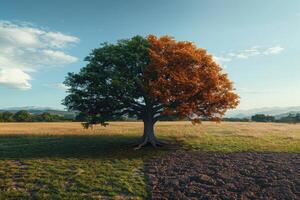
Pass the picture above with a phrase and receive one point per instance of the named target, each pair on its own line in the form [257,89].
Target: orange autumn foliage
[187,81]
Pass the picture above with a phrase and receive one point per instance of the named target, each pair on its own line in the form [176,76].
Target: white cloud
[247,53]
[60,86]
[26,49]
[15,78]
[59,40]
[273,50]
[57,57]
[221,59]
[251,91]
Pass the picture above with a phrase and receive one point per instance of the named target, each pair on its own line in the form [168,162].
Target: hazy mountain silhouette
[275,111]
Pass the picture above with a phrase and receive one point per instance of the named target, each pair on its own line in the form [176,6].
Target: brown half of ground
[200,175]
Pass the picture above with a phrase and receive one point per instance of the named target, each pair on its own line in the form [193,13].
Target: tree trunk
[148,136]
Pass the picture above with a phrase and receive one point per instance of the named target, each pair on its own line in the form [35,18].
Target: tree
[44,117]
[291,118]
[297,117]
[7,116]
[48,117]
[22,116]
[262,118]
[149,78]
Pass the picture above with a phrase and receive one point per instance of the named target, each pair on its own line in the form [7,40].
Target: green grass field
[64,161]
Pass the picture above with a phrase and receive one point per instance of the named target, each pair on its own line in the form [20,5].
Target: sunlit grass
[62,160]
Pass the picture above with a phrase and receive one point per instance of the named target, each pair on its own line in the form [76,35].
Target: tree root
[155,143]
[144,143]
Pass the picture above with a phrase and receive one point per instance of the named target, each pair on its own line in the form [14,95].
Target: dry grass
[68,128]
[173,129]
[225,136]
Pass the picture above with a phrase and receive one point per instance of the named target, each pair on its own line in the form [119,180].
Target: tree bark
[148,135]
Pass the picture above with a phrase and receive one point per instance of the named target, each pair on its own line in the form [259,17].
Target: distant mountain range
[39,110]
[274,111]
[278,112]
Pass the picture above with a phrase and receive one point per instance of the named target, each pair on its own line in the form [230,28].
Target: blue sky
[257,43]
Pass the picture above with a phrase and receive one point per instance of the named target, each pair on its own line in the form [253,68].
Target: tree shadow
[74,146]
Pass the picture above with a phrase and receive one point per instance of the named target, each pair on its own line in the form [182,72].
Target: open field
[62,160]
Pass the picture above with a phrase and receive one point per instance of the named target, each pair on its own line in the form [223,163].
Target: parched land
[229,160]
[202,175]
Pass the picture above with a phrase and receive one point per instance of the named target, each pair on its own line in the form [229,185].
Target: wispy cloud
[255,91]
[248,53]
[222,59]
[59,86]
[25,49]
[273,50]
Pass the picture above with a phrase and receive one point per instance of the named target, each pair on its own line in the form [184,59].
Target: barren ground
[199,175]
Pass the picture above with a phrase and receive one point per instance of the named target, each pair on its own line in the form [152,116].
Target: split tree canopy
[149,78]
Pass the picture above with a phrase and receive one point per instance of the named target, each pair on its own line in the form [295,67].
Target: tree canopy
[149,78]
[26,116]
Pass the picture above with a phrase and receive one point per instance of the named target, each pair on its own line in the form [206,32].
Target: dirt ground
[200,175]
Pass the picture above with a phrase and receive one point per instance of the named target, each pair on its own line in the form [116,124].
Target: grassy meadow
[64,161]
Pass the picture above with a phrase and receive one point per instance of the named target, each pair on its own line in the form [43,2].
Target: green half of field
[63,161]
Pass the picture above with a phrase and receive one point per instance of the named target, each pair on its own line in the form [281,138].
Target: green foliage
[262,118]
[47,117]
[7,117]
[230,119]
[25,116]
[110,85]
[290,118]
[149,78]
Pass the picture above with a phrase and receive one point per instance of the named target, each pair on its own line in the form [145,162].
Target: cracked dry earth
[200,175]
